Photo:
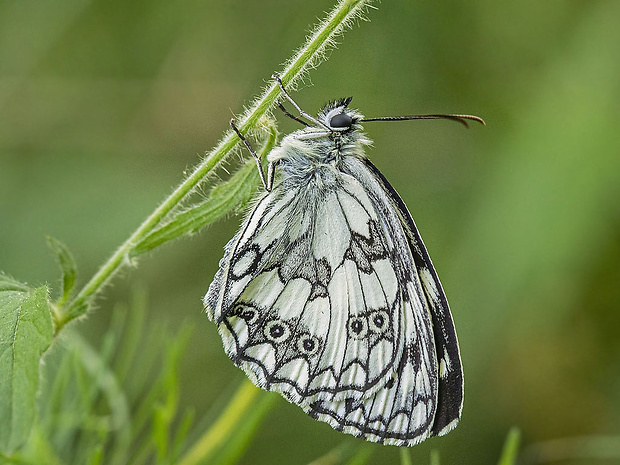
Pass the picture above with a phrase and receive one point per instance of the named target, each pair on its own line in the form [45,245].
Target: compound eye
[341,120]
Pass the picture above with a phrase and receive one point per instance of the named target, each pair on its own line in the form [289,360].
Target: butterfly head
[338,117]
[336,132]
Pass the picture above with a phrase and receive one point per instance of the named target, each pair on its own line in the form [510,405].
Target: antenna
[458,118]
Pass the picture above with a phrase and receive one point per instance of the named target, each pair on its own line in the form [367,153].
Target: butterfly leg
[286,113]
[297,107]
[266,185]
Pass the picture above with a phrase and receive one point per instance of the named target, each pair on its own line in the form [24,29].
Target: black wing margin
[450,371]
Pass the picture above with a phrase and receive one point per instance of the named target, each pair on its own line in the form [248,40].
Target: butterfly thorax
[314,154]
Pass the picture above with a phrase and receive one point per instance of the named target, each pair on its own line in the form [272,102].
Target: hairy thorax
[311,160]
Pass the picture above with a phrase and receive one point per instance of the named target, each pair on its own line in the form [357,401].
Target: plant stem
[310,55]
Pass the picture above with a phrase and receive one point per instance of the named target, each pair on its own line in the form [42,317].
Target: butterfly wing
[402,413]
[450,371]
[399,414]
[306,299]
[332,301]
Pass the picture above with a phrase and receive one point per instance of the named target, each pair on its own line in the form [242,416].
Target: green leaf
[511,448]
[227,424]
[337,455]
[224,198]
[182,431]
[9,284]
[25,333]
[405,457]
[232,451]
[67,265]
[362,455]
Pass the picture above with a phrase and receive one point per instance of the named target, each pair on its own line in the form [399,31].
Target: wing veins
[344,368]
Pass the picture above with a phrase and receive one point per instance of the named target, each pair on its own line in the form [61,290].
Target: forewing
[306,298]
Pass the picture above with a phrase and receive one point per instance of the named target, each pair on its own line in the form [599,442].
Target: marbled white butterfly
[328,296]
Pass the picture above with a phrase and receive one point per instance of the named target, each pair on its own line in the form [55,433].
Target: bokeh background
[104,105]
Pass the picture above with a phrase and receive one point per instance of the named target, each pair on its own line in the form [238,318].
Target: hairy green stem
[310,55]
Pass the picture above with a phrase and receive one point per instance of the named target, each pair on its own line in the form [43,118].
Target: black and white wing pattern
[327,296]
[295,310]
[421,402]
[450,371]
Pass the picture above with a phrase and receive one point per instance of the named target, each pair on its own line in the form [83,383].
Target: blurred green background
[104,105]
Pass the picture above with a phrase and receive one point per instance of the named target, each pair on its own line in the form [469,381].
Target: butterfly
[328,296]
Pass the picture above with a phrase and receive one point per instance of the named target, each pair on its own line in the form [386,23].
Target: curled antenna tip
[463,119]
